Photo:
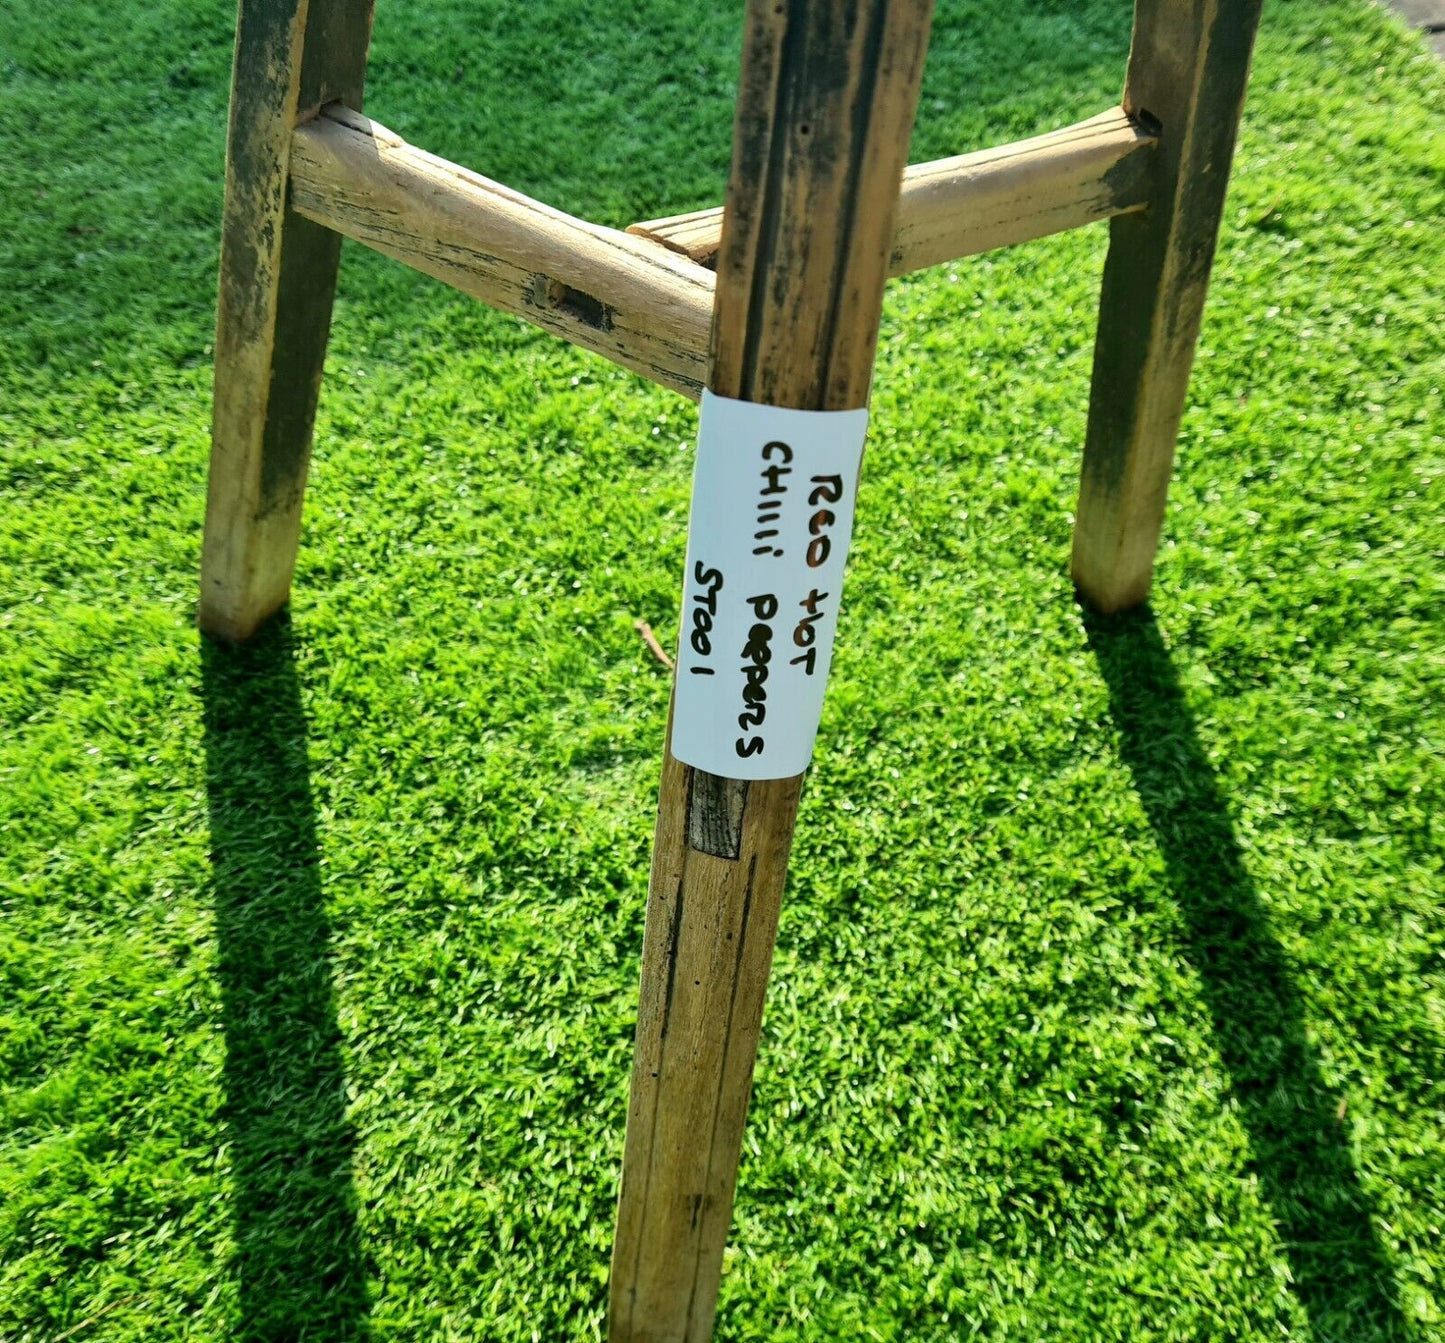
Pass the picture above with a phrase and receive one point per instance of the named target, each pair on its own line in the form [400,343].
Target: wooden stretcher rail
[649,307]
[973,203]
[639,304]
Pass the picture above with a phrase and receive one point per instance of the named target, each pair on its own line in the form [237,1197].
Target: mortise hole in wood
[590,311]
[1147,122]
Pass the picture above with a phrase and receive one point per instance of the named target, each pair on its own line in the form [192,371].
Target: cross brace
[649,307]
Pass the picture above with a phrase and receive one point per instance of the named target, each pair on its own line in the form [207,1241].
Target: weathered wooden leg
[825,109]
[278,276]
[1188,68]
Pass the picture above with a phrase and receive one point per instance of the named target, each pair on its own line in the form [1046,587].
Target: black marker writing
[757,652]
[769,505]
[703,611]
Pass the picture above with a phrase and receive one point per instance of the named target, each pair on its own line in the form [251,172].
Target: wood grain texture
[972,203]
[277,282]
[1188,68]
[628,299]
[825,109]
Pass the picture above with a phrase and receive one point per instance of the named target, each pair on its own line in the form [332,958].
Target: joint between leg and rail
[970,203]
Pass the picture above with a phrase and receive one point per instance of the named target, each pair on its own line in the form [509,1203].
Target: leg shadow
[298,1253]
[1297,1138]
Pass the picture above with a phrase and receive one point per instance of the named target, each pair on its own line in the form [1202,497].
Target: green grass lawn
[1109,1001]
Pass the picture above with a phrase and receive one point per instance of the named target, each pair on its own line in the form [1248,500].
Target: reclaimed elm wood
[970,203]
[638,304]
[820,140]
[277,281]
[1188,67]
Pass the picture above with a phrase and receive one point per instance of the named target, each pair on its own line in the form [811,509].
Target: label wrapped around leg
[772,515]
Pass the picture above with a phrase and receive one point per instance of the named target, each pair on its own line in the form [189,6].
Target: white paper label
[772,515]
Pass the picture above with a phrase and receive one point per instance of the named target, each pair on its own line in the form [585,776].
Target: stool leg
[825,110]
[1188,68]
[278,276]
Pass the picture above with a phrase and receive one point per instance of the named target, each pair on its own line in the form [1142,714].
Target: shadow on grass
[1298,1141]
[298,1253]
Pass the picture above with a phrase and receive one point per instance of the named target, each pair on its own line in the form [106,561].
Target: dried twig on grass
[650,639]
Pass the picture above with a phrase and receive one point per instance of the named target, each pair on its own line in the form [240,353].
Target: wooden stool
[773,299]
